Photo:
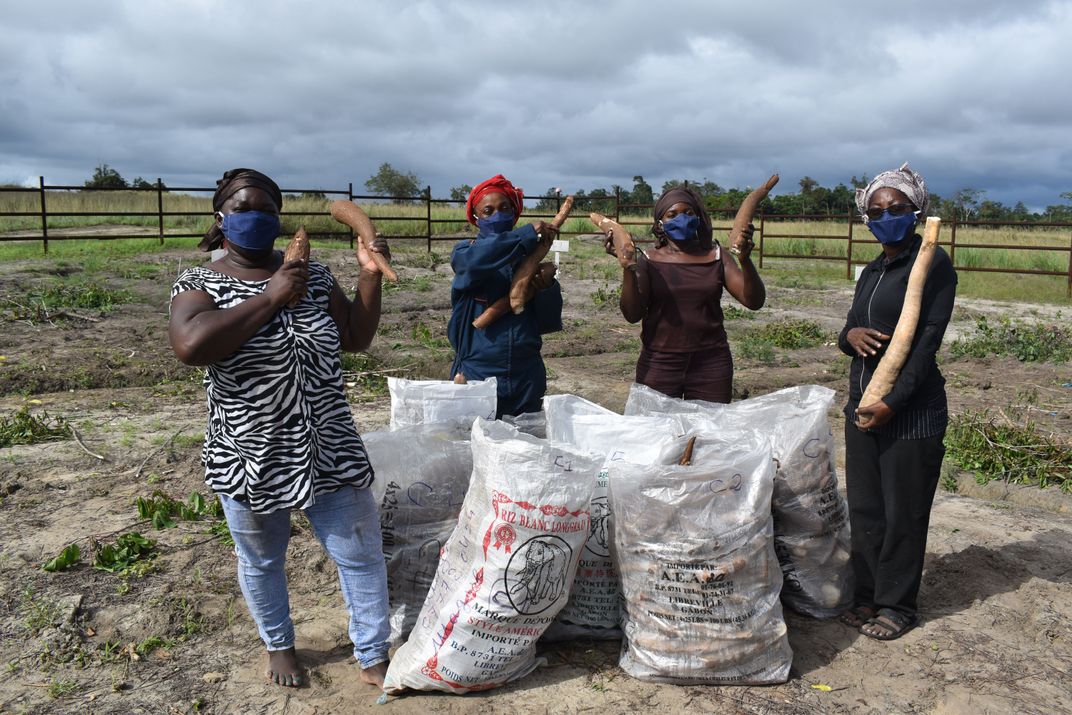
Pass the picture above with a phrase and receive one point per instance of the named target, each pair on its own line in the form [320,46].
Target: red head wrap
[497,184]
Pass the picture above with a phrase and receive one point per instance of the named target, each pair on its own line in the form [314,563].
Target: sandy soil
[996,596]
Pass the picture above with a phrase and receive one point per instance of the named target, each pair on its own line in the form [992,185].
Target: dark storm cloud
[576,95]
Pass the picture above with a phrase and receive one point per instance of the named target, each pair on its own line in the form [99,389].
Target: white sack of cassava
[811,528]
[422,473]
[593,610]
[417,402]
[505,571]
[700,579]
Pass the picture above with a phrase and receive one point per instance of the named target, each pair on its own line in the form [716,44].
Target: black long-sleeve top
[918,396]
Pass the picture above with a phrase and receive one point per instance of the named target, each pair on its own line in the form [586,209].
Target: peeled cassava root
[889,367]
[746,212]
[350,214]
[522,288]
[624,248]
[298,250]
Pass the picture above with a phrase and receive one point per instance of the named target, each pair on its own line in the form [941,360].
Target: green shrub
[21,427]
[1027,342]
[1015,453]
[791,334]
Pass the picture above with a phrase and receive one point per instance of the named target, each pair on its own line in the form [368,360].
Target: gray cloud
[576,95]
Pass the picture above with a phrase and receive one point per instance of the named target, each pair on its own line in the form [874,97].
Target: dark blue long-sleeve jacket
[509,348]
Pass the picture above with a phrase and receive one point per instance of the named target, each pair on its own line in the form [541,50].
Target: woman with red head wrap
[509,348]
[676,290]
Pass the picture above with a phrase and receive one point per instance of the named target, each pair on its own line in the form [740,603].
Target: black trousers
[890,485]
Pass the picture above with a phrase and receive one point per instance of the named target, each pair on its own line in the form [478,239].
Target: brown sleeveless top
[684,307]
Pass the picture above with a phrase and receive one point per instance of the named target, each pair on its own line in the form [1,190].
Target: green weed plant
[1027,342]
[1015,453]
[22,427]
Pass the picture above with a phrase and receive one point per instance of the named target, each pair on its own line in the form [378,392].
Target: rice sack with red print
[506,570]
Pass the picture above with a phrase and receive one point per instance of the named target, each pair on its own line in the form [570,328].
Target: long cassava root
[746,212]
[298,250]
[522,288]
[889,367]
[350,214]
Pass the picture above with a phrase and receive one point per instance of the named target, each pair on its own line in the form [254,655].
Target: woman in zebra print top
[280,434]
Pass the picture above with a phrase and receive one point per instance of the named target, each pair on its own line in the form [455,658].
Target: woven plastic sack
[700,578]
[811,528]
[422,474]
[416,402]
[593,610]
[505,571]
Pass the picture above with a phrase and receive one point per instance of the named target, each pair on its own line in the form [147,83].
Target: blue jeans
[347,523]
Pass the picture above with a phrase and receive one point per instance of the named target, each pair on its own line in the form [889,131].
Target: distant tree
[860,182]
[105,177]
[400,186]
[641,193]
[708,188]
[460,193]
[672,184]
[966,202]
[548,202]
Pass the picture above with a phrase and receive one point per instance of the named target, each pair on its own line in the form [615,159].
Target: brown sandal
[856,616]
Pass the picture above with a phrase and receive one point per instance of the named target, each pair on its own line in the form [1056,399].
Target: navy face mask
[892,229]
[681,227]
[498,222]
[252,230]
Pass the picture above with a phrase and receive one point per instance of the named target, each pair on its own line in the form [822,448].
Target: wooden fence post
[160,207]
[350,198]
[44,215]
[428,214]
[848,252]
[762,233]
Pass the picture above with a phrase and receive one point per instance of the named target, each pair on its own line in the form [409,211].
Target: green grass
[790,334]
[1016,453]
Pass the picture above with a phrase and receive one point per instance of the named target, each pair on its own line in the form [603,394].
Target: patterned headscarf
[497,184]
[230,184]
[904,180]
[685,195]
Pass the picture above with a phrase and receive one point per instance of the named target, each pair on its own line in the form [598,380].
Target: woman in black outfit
[892,469]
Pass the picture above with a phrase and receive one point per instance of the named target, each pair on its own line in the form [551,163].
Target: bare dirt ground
[996,596]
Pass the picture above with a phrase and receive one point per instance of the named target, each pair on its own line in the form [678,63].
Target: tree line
[966,204]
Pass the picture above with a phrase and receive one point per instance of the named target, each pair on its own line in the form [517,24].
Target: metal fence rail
[612,205]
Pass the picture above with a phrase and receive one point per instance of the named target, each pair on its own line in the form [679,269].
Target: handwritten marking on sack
[809,448]
[564,463]
[424,494]
[721,485]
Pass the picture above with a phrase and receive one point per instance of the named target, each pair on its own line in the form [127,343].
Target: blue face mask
[892,229]
[498,222]
[252,230]
[681,227]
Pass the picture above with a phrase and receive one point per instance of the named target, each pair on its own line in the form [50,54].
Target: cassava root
[350,214]
[298,250]
[624,248]
[746,212]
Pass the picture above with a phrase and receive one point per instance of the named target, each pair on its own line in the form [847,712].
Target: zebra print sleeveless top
[279,430]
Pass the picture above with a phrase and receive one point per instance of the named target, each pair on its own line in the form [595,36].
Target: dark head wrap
[232,182]
[497,184]
[684,195]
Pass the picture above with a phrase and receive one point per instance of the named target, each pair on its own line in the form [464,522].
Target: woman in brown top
[676,290]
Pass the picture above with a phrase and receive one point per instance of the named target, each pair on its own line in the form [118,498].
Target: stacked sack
[811,530]
[505,572]
[700,578]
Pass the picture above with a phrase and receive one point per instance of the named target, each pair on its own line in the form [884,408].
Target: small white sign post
[559,247]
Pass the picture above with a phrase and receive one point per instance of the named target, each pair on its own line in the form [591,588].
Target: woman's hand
[869,417]
[544,277]
[865,341]
[545,231]
[287,283]
[364,257]
[744,248]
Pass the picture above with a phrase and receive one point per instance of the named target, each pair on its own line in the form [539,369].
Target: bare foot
[374,675]
[284,669]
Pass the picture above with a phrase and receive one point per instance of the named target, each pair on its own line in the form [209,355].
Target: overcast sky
[572,94]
